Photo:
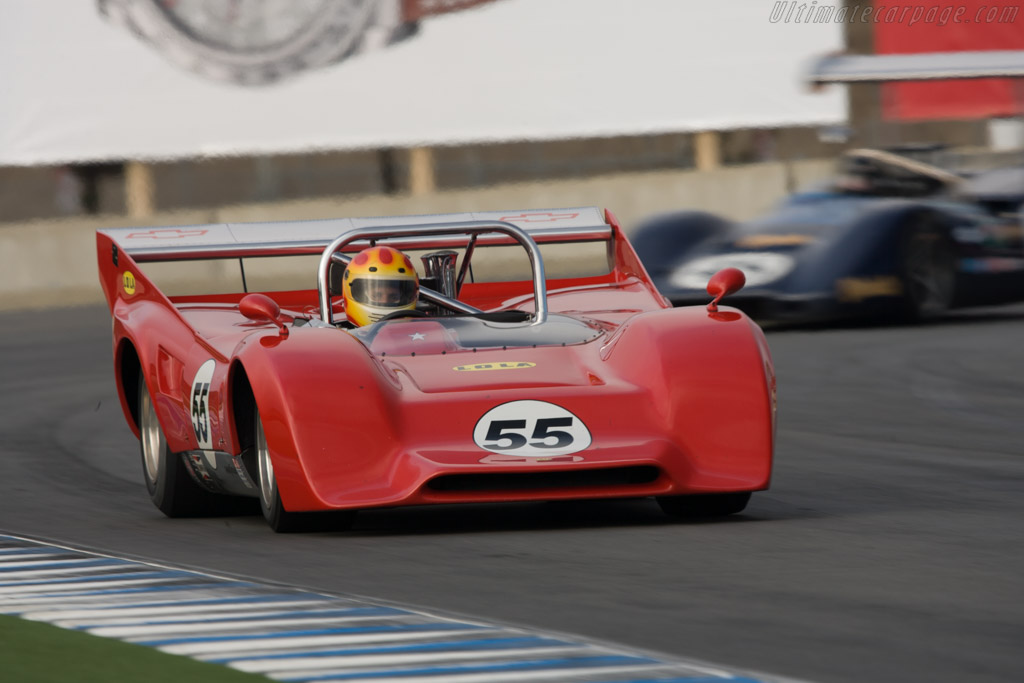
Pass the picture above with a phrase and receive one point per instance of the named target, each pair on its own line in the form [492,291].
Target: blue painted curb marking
[295,635]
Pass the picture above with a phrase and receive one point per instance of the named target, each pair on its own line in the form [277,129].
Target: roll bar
[471,229]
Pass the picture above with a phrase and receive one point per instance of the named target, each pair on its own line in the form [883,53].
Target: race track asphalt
[890,547]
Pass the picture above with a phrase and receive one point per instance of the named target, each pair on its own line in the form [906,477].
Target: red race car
[465,380]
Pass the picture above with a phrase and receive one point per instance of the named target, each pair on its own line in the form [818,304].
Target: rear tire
[704,504]
[928,272]
[170,485]
[281,520]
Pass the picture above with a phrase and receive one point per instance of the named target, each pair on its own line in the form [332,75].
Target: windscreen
[471,333]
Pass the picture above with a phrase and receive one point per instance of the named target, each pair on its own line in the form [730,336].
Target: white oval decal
[760,268]
[200,404]
[531,429]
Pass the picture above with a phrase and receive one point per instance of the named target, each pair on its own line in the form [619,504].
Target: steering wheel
[403,313]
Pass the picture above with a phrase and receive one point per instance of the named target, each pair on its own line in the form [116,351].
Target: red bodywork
[676,400]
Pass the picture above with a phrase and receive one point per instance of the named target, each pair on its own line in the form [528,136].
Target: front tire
[279,519]
[171,487]
[704,504]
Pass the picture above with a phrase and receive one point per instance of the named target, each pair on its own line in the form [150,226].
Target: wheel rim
[152,437]
[266,467]
[929,276]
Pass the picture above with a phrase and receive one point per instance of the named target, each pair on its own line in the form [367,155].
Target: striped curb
[289,634]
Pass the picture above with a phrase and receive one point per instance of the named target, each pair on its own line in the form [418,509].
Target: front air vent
[539,481]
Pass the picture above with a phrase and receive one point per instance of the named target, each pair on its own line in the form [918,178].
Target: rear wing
[902,168]
[288,238]
[931,66]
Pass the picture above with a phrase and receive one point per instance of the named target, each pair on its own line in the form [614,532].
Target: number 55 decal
[201,404]
[531,429]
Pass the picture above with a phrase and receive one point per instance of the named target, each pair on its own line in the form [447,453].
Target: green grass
[34,652]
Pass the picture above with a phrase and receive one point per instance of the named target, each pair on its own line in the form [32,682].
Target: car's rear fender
[152,341]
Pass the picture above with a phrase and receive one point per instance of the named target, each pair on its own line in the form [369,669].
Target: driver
[379,281]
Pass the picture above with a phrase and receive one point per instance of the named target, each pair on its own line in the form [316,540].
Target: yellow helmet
[378,281]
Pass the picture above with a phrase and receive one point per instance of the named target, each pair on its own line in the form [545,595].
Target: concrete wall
[53,263]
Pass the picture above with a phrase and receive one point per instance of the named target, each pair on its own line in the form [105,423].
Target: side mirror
[723,283]
[262,308]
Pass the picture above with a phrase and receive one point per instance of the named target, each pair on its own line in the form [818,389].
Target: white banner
[80,85]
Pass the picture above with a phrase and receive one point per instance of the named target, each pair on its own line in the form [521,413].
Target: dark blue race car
[891,237]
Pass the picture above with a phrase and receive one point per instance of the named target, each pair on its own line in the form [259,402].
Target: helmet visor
[378,292]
